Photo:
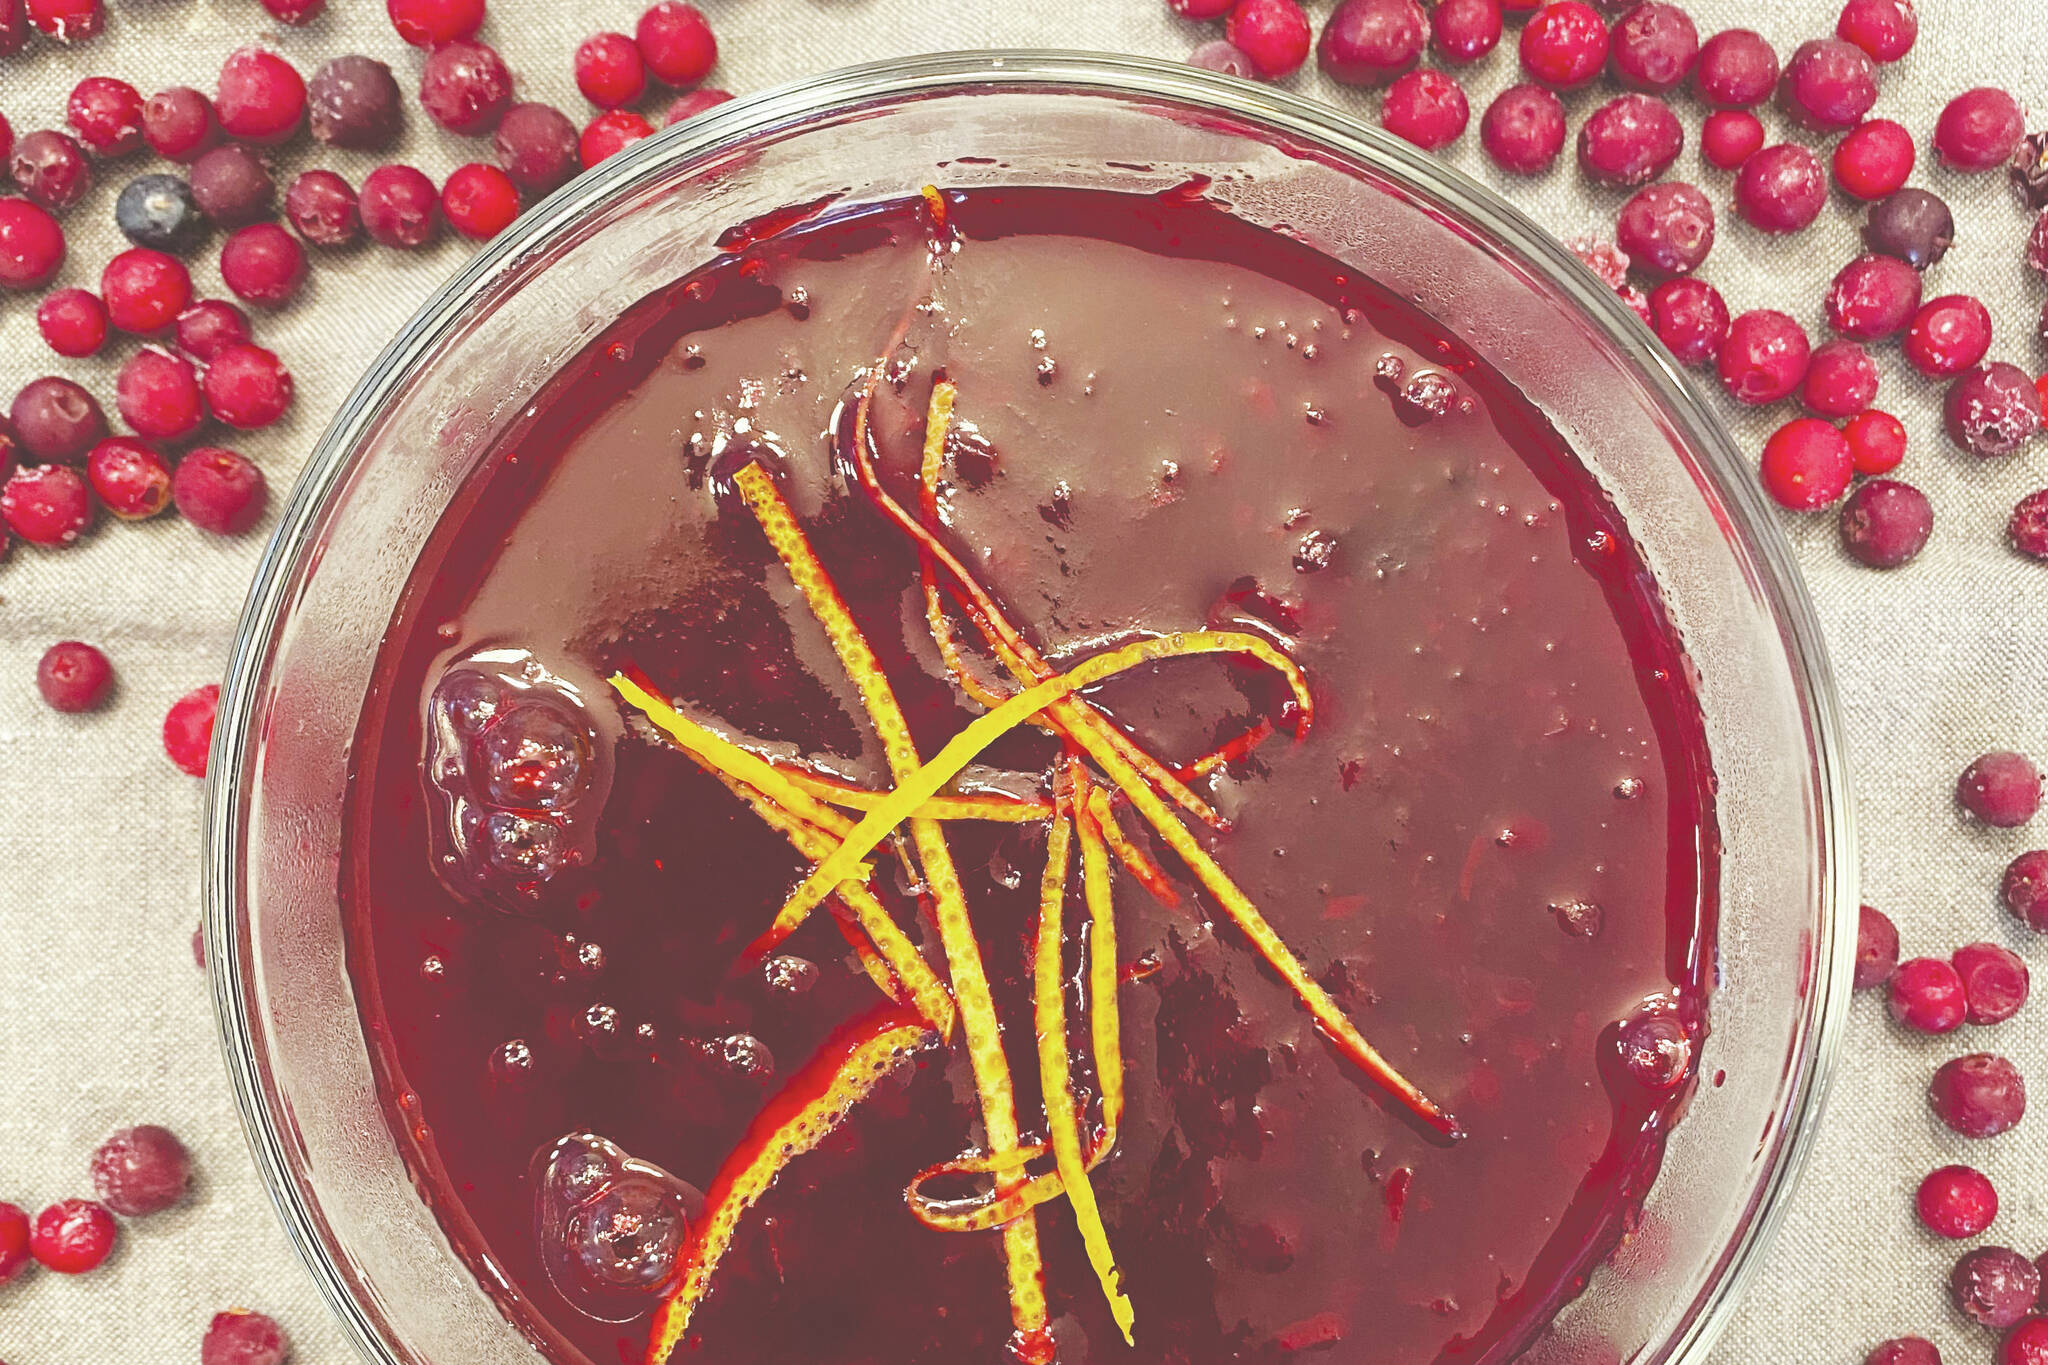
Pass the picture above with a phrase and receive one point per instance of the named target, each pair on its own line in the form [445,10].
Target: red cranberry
[354,102]
[1781,188]
[246,387]
[1957,1201]
[1667,229]
[1655,45]
[1629,140]
[14,1236]
[1886,523]
[106,114]
[610,70]
[31,245]
[1828,84]
[50,168]
[610,133]
[1995,1286]
[536,146]
[13,30]
[1873,297]
[188,728]
[73,676]
[1201,11]
[263,264]
[697,101]
[1764,357]
[145,290]
[208,325]
[158,395]
[1369,42]
[424,23]
[1806,463]
[1980,1095]
[465,87]
[260,98]
[1992,410]
[179,123]
[677,44]
[72,1236]
[1883,28]
[232,185]
[1215,55]
[1690,317]
[1602,258]
[322,209]
[1877,440]
[2001,788]
[1465,30]
[1903,1351]
[295,12]
[73,321]
[129,477]
[1565,44]
[141,1170]
[46,504]
[1873,161]
[55,419]
[2025,1344]
[67,21]
[2028,528]
[400,206]
[1978,130]
[219,491]
[1736,69]
[1523,129]
[1272,34]
[1841,380]
[2024,889]
[1994,981]
[240,1337]
[1948,335]
[1426,108]
[1926,994]
[1877,947]
[480,201]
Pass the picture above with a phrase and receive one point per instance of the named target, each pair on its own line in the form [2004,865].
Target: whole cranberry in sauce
[1877,947]
[1369,42]
[1885,523]
[1523,129]
[1690,317]
[1927,995]
[1956,1201]
[1629,140]
[1828,84]
[1980,1095]
[1736,69]
[1979,129]
[2001,788]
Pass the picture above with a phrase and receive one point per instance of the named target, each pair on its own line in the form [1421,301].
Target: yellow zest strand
[1049,1016]
[870,961]
[1001,808]
[814,1102]
[938,421]
[983,1034]
[1136,860]
[1104,1023]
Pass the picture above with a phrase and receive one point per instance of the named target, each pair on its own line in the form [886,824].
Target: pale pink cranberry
[1877,947]
[1841,380]
[46,504]
[1828,84]
[1805,464]
[479,201]
[50,168]
[610,70]
[208,325]
[14,1232]
[1883,28]
[106,114]
[1629,140]
[1873,297]
[1992,410]
[536,146]
[709,97]
[400,207]
[1565,44]
[1781,188]
[179,124]
[188,729]
[1690,317]
[66,21]
[1927,995]
[31,245]
[72,1236]
[1994,981]
[1465,30]
[678,46]
[2001,788]
[1272,34]
[263,264]
[1903,1351]
[141,1170]
[1523,129]
[1957,1201]
[219,491]
[425,23]
[609,134]
[1978,130]
[2024,889]
[261,97]
[1369,42]
[1667,228]
[1215,55]
[1979,1095]
[73,322]
[1948,335]
[73,677]
[246,386]
[56,419]
[145,290]
[129,477]
[465,87]
[1874,160]
[2025,1344]
[240,1337]
[158,395]
[1736,69]
[322,208]
[1877,440]
[1764,357]
[1654,47]
[1995,1286]
[1886,523]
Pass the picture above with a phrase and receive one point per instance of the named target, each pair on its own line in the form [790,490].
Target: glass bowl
[474,356]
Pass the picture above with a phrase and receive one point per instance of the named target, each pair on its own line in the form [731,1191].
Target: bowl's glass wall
[471,361]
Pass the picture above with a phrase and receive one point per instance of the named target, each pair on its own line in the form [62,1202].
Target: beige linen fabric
[104,1021]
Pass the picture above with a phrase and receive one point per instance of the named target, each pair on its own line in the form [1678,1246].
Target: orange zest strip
[1105,1027]
[999,807]
[938,421]
[1228,752]
[1049,1016]
[1140,864]
[814,1102]
[871,962]
[979,1025]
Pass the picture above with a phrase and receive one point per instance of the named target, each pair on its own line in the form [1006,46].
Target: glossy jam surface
[1494,847]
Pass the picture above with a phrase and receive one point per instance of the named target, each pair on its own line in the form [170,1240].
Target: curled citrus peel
[995,806]
[1104,1028]
[1140,864]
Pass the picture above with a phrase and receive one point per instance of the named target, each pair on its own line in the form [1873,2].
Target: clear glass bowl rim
[335,457]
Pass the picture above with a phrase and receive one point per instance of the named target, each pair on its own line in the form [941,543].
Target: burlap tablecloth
[104,1021]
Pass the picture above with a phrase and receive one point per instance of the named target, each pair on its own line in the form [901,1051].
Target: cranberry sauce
[1494,847]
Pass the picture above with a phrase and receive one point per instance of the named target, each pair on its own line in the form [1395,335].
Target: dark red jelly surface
[1495,847]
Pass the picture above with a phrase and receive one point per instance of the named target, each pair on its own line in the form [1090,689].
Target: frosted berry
[425,23]
[609,133]
[208,325]
[1654,47]
[354,102]
[2028,528]
[1873,297]
[1877,441]
[1828,84]
[1369,42]
[1629,140]
[1877,947]
[219,491]
[141,1170]
[536,147]
[50,168]
[1873,161]
[1666,229]
[1806,464]
[1992,410]
[1523,129]
[1781,188]
[73,677]
[56,419]
[179,124]
[160,211]
[1886,523]
[610,70]
[246,386]
[321,208]
[1994,981]
[465,87]
[14,1233]
[1927,995]
[1565,44]
[697,101]
[2024,889]
[1883,28]
[72,1236]
[1948,335]
[677,44]
[157,393]
[1425,107]
[188,729]
[1736,69]
[1957,1201]
[260,98]
[67,21]
[479,201]
[400,206]
[263,264]
[106,114]
[46,504]
[240,1337]
[233,186]
[1215,55]
[295,12]
[31,245]
[2001,788]
[1690,317]
[1764,357]
[1903,1351]
[1994,1286]
[129,477]
[1272,34]
[73,322]
[1841,380]
[1464,30]
[2025,1344]
[1980,1095]
[1979,129]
